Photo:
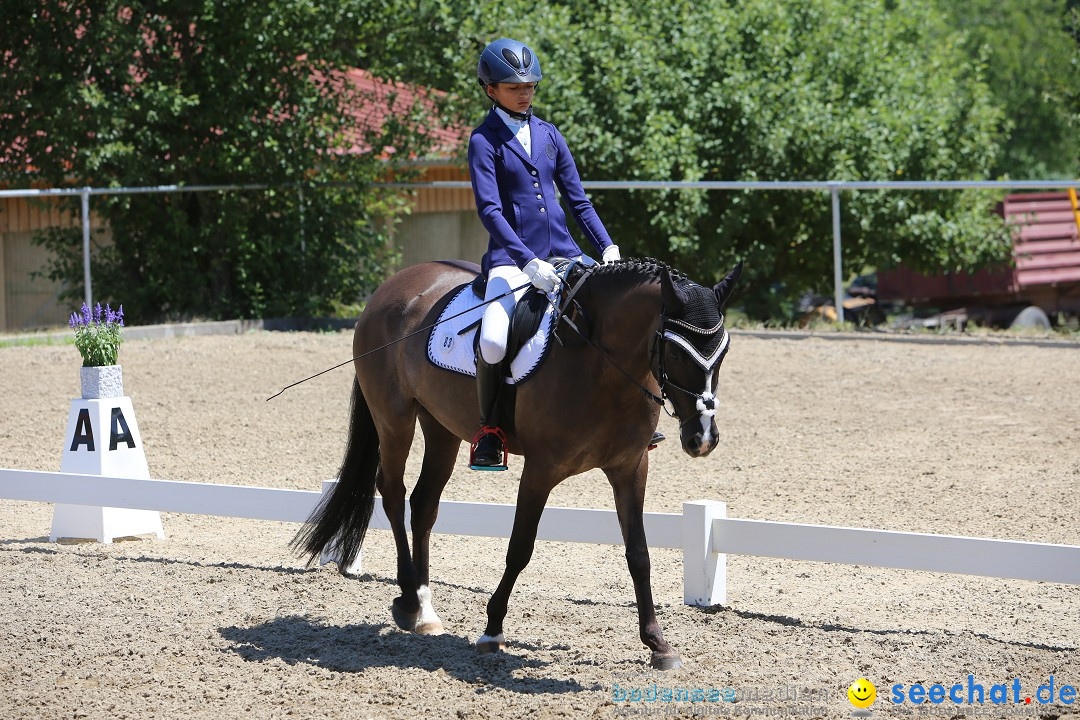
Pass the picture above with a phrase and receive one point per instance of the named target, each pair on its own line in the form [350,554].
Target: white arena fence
[703,531]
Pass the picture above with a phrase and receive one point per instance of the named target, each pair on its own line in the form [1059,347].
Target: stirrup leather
[482,433]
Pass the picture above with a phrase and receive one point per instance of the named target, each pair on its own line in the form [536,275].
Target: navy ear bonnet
[700,329]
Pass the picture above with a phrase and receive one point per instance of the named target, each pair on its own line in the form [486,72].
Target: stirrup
[480,434]
[657,438]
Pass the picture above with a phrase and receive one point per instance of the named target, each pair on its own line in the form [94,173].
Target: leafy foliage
[642,89]
[196,93]
[757,90]
[1031,53]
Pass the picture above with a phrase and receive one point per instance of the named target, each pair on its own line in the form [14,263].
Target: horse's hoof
[429,628]
[487,645]
[666,661]
[403,618]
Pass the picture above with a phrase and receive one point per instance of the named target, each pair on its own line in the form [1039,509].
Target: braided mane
[700,309]
[645,269]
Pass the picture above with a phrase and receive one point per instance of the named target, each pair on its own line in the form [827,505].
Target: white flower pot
[105,381]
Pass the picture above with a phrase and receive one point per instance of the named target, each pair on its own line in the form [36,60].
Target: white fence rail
[702,530]
[1012,559]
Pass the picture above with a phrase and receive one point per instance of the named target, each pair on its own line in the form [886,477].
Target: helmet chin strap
[516,115]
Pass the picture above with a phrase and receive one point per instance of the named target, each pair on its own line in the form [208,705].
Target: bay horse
[655,335]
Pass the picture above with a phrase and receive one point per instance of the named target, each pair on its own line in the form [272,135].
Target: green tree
[203,92]
[1031,52]
[755,90]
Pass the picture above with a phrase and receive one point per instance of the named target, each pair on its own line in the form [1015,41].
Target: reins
[560,310]
[659,400]
[561,314]
[403,337]
[657,349]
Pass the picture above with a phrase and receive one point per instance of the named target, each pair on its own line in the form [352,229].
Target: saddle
[573,327]
[453,343]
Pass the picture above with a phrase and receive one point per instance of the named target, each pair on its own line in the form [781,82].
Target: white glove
[542,274]
[611,254]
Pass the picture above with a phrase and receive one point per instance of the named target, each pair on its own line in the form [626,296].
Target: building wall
[444,224]
[441,236]
[28,302]
[444,199]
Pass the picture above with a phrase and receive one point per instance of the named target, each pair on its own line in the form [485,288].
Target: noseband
[675,334]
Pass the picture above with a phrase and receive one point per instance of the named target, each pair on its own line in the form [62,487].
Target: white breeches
[495,327]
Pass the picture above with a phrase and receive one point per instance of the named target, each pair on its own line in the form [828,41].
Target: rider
[516,160]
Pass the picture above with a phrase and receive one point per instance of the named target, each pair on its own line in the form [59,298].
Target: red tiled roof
[375,100]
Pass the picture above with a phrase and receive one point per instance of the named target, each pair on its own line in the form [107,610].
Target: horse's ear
[726,287]
[674,298]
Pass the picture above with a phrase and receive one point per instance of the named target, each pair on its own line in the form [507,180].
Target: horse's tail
[341,519]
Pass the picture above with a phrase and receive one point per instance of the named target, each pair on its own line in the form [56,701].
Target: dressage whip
[403,337]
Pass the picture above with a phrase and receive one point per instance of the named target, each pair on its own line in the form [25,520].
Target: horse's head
[690,347]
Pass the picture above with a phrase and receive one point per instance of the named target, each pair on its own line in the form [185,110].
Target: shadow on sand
[358,647]
[837,628]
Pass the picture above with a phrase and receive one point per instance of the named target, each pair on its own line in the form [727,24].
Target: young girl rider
[516,160]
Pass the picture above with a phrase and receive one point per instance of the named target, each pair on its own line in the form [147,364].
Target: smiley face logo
[862,693]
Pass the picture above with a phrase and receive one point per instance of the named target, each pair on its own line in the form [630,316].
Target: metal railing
[833,187]
[84,194]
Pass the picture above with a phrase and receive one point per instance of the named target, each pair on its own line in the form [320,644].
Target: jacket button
[536,184]
[539,197]
[533,172]
[541,209]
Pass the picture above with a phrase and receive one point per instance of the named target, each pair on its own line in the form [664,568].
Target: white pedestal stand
[103,439]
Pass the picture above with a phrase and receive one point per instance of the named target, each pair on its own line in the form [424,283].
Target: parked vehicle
[1040,286]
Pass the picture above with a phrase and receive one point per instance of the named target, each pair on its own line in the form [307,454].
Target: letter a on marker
[84,432]
[119,432]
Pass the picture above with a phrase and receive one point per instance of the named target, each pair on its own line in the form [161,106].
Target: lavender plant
[97,334]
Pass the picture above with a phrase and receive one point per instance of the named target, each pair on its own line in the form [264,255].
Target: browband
[707,363]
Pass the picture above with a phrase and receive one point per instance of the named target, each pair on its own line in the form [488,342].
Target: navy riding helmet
[507,61]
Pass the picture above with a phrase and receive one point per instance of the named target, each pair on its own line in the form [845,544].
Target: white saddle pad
[451,345]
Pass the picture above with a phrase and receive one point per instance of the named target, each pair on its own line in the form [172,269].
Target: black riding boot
[488,454]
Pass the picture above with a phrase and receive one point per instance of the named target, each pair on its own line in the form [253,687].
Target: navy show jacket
[515,194]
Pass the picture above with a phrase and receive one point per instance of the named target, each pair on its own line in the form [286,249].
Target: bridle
[666,334]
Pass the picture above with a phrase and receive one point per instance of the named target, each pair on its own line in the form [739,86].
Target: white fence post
[704,569]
